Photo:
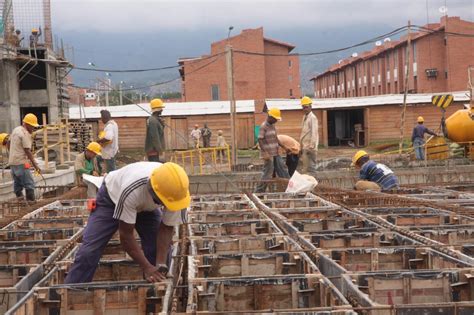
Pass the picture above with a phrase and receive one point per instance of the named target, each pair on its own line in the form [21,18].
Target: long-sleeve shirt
[155,136]
[309,138]
[380,174]
[84,166]
[419,132]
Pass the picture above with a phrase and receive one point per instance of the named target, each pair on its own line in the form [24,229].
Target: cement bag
[301,183]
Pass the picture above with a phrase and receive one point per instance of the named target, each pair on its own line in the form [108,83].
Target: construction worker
[196,136]
[309,138]
[418,138]
[373,176]
[109,141]
[206,134]
[86,162]
[155,135]
[18,39]
[5,140]
[268,143]
[221,143]
[128,200]
[292,149]
[21,159]
[34,37]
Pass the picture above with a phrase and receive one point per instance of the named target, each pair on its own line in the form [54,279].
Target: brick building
[438,63]
[255,76]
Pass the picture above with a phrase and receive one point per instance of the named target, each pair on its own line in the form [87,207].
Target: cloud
[148,16]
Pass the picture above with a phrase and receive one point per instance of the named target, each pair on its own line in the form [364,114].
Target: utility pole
[405,92]
[231,96]
[120,92]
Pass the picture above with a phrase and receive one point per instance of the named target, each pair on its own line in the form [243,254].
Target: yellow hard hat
[101,134]
[94,147]
[358,155]
[31,120]
[420,119]
[34,30]
[3,138]
[157,103]
[171,184]
[306,101]
[275,113]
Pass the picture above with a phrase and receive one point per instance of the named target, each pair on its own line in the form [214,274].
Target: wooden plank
[99,302]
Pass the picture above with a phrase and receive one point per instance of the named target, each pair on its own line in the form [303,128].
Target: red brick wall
[431,52]
[252,73]
[459,53]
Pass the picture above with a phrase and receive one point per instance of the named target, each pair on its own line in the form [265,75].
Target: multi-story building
[439,58]
[263,68]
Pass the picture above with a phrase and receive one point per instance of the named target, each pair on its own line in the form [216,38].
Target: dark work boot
[30,194]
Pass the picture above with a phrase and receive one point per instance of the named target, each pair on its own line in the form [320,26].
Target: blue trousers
[100,228]
[22,179]
[419,148]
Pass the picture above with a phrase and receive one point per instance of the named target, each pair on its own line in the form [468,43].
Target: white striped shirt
[128,189]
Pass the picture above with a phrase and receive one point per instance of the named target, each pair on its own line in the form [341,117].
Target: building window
[289,63]
[388,89]
[215,92]
[291,92]
[395,59]
[290,78]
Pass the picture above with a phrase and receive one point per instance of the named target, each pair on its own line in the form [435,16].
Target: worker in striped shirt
[373,175]
[148,197]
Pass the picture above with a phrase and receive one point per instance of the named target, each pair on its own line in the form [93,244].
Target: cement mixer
[459,127]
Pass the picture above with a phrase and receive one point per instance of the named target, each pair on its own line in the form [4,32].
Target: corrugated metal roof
[171,109]
[389,99]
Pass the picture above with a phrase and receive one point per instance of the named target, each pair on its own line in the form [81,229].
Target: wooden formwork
[247,228]
[266,294]
[60,208]
[225,216]
[37,234]
[346,239]
[218,198]
[256,264]
[427,219]
[222,205]
[47,223]
[431,288]
[25,254]
[403,258]
[232,245]
[129,297]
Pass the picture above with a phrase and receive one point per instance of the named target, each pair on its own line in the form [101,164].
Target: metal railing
[203,160]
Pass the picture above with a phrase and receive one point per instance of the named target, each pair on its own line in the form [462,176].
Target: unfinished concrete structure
[32,76]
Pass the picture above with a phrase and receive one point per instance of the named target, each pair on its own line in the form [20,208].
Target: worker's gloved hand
[153,275]
[37,170]
[94,173]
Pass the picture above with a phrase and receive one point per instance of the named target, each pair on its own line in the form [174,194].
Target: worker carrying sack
[301,183]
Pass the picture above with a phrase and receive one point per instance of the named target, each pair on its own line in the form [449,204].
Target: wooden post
[61,143]
[231,97]
[407,72]
[68,145]
[45,143]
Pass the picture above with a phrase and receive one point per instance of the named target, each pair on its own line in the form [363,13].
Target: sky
[143,33]
[119,16]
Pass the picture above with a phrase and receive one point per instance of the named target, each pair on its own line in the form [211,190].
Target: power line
[145,69]
[158,83]
[394,32]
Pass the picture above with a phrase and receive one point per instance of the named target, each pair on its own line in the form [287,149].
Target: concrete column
[9,97]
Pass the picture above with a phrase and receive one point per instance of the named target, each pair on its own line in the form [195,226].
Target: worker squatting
[152,197]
